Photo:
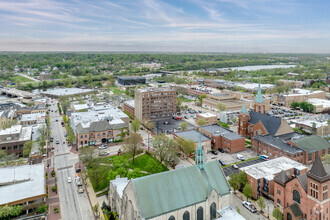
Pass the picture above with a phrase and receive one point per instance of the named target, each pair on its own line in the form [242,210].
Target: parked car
[57,142]
[249,206]
[222,163]
[264,157]
[78,170]
[69,179]
[234,166]
[56,120]
[240,157]
[102,147]
[214,152]
[186,117]
[221,150]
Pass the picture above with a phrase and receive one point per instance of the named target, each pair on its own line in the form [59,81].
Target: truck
[80,189]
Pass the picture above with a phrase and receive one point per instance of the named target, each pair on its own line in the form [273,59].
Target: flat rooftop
[130,103]
[207,115]
[12,130]
[33,117]
[229,212]
[156,89]
[131,77]
[21,182]
[191,134]
[324,102]
[254,86]
[217,130]
[65,91]
[301,92]
[270,168]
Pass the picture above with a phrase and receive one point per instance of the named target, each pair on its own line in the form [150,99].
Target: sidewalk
[53,198]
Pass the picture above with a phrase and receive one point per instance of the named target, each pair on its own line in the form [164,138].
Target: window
[171,218]
[85,142]
[278,192]
[200,214]
[278,202]
[213,211]
[81,136]
[85,136]
[309,156]
[103,134]
[323,152]
[186,216]
[15,147]
[296,196]
[314,190]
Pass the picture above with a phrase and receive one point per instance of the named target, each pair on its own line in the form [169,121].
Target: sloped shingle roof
[271,124]
[312,143]
[282,178]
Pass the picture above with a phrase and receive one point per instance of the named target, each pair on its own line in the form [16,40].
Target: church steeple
[244,111]
[199,155]
[259,96]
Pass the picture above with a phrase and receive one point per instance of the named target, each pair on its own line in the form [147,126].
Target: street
[237,202]
[72,204]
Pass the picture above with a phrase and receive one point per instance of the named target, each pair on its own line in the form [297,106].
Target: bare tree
[133,144]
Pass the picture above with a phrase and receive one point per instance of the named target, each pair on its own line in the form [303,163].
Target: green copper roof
[161,193]
[199,155]
[244,109]
[259,96]
[312,143]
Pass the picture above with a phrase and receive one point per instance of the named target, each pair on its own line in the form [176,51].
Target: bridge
[12,92]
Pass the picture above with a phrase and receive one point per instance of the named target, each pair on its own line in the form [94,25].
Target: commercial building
[131,80]
[40,108]
[320,105]
[58,92]
[256,122]
[194,192]
[100,124]
[152,104]
[23,185]
[209,118]
[13,139]
[191,90]
[223,138]
[294,146]
[313,126]
[261,176]
[304,196]
[228,116]
[194,136]
[129,107]
[31,119]
[297,95]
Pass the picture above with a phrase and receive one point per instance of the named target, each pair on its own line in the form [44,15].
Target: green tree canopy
[248,191]
[135,125]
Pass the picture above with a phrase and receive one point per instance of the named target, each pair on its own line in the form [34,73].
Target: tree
[42,208]
[187,147]
[98,174]
[314,127]
[233,181]
[277,214]
[261,203]
[2,154]
[96,209]
[27,148]
[242,179]
[87,155]
[201,122]
[164,148]
[65,103]
[221,107]
[248,191]
[234,120]
[202,97]
[184,125]
[132,144]
[135,125]
[295,104]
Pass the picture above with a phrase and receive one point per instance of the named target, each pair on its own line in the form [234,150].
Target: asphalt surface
[237,202]
[73,205]
[229,170]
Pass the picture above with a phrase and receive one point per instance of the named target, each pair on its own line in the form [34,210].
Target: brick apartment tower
[243,119]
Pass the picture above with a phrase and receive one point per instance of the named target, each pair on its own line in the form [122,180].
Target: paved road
[237,202]
[73,205]
[229,170]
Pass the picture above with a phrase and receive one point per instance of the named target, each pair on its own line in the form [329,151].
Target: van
[240,157]
[264,157]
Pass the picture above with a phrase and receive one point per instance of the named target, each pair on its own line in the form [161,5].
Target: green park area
[104,169]
[17,79]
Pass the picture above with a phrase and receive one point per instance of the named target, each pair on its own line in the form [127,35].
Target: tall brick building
[303,196]
[256,122]
[152,104]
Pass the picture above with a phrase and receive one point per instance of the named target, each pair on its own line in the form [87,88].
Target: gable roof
[296,210]
[98,126]
[180,188]
[303,180]
[270,123]
[282,178]
[311,143]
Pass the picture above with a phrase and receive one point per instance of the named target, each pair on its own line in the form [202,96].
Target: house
[223,138]
[194,192]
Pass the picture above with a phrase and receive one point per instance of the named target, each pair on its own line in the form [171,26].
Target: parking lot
[170,125]
[229,170]
[231,158]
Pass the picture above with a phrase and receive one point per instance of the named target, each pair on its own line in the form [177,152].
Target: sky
[248,26]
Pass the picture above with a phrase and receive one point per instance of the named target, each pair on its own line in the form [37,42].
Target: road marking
[63,168]
[62,154]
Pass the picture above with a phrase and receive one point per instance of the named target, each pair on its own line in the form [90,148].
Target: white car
[69,179]
[249,206]
[240,157]
[102,147]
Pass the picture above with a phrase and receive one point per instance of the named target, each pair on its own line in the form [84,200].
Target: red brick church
[304,196]
[256,122]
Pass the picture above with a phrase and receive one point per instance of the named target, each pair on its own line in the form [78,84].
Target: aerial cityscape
[164,110]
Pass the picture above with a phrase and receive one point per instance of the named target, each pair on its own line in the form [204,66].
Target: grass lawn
[141,162]
[19,79]
[117,91]
[187,100]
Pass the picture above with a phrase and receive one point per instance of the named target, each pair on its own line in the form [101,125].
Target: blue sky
[169,26]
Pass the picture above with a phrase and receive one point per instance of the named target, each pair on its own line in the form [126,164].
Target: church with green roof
[194,192]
